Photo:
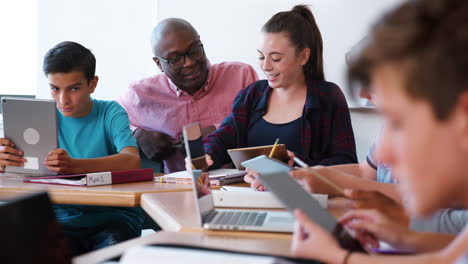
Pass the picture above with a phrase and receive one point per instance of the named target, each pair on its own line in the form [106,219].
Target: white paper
[80,182]
[237,189]
[32,163]
[142,255]
[212,174]
[255,199]
[99,178]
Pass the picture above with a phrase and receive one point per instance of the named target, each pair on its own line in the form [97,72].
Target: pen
[320,176]
[272,152]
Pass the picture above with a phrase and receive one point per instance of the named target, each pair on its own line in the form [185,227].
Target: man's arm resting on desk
[127,159]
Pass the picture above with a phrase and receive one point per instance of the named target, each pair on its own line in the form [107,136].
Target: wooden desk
[176,212]
[278,247]
[125,194]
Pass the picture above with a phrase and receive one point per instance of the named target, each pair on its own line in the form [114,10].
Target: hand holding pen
[305,175]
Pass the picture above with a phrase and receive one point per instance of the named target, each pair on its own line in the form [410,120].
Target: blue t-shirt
[384,172]
[103,132]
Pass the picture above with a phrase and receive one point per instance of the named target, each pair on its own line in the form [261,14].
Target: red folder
[96,178]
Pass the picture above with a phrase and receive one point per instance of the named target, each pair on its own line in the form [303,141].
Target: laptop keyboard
[239,218]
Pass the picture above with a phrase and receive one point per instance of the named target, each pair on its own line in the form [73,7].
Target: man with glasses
[188,90]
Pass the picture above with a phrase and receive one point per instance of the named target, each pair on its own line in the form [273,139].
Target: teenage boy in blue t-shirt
[93,135]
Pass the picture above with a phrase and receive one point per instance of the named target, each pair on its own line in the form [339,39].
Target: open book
[96,178]
[217,177]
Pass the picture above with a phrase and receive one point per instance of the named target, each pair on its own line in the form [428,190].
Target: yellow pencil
[199,179]
[272,152]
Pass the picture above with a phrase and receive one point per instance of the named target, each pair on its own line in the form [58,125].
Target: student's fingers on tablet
[11,157]
[53,162]
[55,169]
[6,142]
[11,163]
[11,150]
[256,184]
[300,173]
[58,152]
[248,178]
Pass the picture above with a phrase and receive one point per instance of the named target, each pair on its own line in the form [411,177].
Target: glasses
[178,61]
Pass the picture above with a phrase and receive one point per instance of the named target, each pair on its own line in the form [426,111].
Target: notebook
[30,233]
[96,178]
[293,196]
[32,125]
[224,219]
[217,177]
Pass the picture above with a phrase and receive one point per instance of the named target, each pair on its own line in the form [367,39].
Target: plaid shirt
[326,131]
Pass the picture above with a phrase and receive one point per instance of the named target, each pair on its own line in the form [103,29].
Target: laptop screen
[196,155]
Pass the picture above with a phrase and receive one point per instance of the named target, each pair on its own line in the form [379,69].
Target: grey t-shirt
[450,221]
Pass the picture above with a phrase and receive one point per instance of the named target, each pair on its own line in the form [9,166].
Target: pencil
[319,176]
[272,152]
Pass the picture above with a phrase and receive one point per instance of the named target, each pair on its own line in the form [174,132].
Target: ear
[460,114]
[158,63]
[93,83]
[304,56]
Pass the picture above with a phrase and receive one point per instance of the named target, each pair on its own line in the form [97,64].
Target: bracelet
[348,254]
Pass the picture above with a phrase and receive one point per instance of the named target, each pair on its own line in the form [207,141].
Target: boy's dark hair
[69,56]
[429,38]
[300,25]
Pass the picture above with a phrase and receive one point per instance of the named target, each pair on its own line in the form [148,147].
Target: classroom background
[118,31]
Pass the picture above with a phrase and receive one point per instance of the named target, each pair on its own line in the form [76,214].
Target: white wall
[117,31]
[366,126]
[18,52]
[230,29]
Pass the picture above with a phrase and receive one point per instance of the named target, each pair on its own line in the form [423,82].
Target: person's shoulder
[255,89]
[233,67]
[328,92]
[329,89]
[260,85]
[108,106]
[148,82]
[326,86]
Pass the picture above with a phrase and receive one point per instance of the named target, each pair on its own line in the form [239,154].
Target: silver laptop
[32,125]
[226,219]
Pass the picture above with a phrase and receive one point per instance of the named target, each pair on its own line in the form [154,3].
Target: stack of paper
[217,177]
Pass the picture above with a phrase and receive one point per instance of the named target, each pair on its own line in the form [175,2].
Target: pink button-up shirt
[156,104]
